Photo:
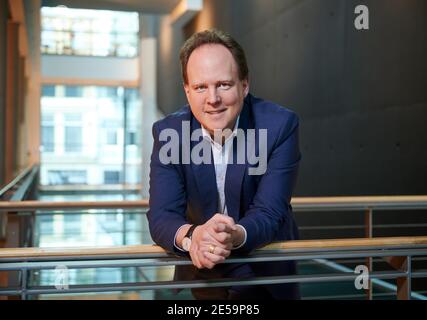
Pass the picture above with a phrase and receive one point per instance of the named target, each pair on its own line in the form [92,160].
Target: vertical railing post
[369,234]
[404,283]
[24,284]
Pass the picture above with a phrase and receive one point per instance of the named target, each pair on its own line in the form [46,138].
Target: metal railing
[398,250]
[18,187]
[366,204]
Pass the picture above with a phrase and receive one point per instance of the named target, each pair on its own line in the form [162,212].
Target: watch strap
[189,233]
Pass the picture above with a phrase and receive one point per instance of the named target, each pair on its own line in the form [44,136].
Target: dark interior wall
[361,95]
[3,22]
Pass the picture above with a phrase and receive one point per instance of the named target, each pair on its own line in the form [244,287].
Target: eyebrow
[197,84]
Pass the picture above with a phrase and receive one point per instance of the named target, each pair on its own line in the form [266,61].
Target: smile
[216,111]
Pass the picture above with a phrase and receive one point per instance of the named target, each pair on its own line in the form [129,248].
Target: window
[88,132]
[89,32]
[111,177]
[45,223]
[73,139]
[48,134]
[73,132]
[72,223]
[48,91]
[131,138]
[112,137]
[73,91]
[59,177]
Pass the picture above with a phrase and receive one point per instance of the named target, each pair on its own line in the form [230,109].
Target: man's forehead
[212,60]
[210,53]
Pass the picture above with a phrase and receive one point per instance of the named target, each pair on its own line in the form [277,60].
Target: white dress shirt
[220,155]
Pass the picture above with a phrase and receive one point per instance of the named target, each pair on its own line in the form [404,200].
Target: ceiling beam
[185,11]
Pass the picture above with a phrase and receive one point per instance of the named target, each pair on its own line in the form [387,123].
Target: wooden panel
[16,8]
[11,62]
[20,104]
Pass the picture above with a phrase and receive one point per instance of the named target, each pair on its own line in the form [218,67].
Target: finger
[224,219]
[214,258]
[222,237]
[223,227]
[222,240]
[217,251]
[206,263]
[223,245]
[195,261]
[194,249]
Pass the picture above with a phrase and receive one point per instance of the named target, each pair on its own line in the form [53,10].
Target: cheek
[230,98]
[195,101]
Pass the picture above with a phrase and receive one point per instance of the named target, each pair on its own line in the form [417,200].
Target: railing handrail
[360,202]
[71,205]
[312,245]
[298,203]
[17,179]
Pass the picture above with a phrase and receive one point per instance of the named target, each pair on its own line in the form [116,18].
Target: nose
[213,97]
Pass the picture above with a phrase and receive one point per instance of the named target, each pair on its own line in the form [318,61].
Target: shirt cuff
[174,239]
[244,239]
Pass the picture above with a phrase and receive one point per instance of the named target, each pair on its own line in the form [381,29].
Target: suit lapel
[236,171]
[204,174]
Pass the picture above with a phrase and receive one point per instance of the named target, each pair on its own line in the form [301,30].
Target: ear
[245,83]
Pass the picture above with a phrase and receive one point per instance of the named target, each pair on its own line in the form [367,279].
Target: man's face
[214,91]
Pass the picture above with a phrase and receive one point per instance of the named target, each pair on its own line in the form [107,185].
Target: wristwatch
[186,241]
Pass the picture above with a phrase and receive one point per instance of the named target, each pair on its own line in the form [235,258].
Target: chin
[217,126]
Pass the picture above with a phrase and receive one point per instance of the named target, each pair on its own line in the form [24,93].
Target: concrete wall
[361,95]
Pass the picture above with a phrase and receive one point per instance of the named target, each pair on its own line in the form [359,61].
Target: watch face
[186,244]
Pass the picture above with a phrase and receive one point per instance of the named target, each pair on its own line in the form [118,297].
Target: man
[215,208]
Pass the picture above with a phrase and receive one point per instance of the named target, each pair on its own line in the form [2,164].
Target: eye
[224,85]
[200,88]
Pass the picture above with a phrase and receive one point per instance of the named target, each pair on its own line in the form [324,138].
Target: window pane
[60,177]
[48,91]
[111,137]
[111,177]
[86,132]
[73,139]
[131,138]
[48,138]
[73,91]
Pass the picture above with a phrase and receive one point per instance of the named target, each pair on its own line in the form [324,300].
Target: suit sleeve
[167,199]
[270,207]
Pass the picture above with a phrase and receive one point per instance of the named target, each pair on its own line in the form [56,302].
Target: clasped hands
[213,241]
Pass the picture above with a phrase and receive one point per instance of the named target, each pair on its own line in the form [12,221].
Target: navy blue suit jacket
[187,193]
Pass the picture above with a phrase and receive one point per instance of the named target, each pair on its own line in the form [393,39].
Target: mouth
[214,112]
